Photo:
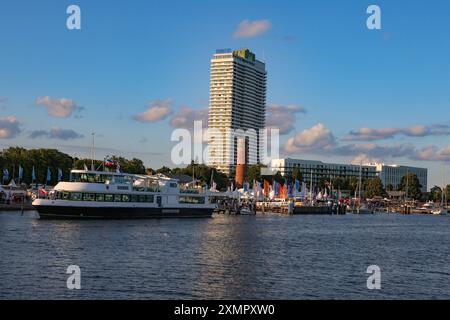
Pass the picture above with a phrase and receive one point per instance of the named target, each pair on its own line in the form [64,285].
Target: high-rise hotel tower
[237,101]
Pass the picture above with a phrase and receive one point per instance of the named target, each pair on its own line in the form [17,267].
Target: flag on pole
[49,175]
[109,163]
[33,175]
[276,188]
[5,175]
[297,185]
[266,188]
[42,192]
[20,173]
[290,192]
[260,189]
[60,174]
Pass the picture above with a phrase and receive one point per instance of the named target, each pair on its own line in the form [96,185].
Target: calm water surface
[226,257]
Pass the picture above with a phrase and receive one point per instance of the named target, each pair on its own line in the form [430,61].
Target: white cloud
[282,117]
[9,127]
[59,108]
[185,117]
[433,153]
[364,159]
[374,150]
[56,133]
[319,140]
[157,110]
[250,29]
[315,139]
[368,134]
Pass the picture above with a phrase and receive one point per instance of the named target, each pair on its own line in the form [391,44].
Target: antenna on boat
[93,151]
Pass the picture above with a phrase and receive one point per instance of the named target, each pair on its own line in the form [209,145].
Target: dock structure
[232,205]
[291,208]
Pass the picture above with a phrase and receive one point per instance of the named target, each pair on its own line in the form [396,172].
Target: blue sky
[320,55]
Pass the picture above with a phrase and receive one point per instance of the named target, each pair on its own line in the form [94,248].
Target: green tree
[79,164]
[389,187]
[352,184]
[339,183]
[411,185]
[41,159]
[374,187]
[203,173]
[279,178]
[164,170]
[435,193]
[296,174]
[322,183]
[254,172]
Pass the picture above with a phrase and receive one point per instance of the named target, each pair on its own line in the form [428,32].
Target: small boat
[358,206]
[246,211]
[364,210]
[443,208]
[440,211]
[427,208]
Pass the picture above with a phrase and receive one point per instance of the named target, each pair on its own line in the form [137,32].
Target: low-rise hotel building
[389,174]
[393,174]
[320,170]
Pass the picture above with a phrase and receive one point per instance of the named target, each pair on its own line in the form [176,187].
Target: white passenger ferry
[99,194]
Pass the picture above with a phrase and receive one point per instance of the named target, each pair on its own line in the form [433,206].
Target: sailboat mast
[93,152]
[407,185]
[359,184]
[443,187]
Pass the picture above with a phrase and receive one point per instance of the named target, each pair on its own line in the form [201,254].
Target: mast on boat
[93,152]
[310,187]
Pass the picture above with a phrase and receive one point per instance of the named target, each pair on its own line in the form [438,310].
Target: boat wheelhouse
[102,194]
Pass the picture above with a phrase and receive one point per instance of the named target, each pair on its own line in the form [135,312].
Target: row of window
[192,200]
[100,197]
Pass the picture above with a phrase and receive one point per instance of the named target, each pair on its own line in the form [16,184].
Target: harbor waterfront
[264,256]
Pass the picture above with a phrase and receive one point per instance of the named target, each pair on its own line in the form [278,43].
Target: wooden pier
[282,207]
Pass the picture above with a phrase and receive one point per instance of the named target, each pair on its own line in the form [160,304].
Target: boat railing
[190,191]
[146,189]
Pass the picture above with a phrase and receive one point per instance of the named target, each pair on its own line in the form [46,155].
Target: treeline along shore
[17,164]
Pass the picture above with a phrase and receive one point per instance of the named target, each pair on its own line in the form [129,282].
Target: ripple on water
[226,257]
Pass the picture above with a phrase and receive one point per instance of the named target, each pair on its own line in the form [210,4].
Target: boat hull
[310,210]
[73,212]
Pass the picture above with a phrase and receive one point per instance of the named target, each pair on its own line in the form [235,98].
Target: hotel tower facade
[237,107]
